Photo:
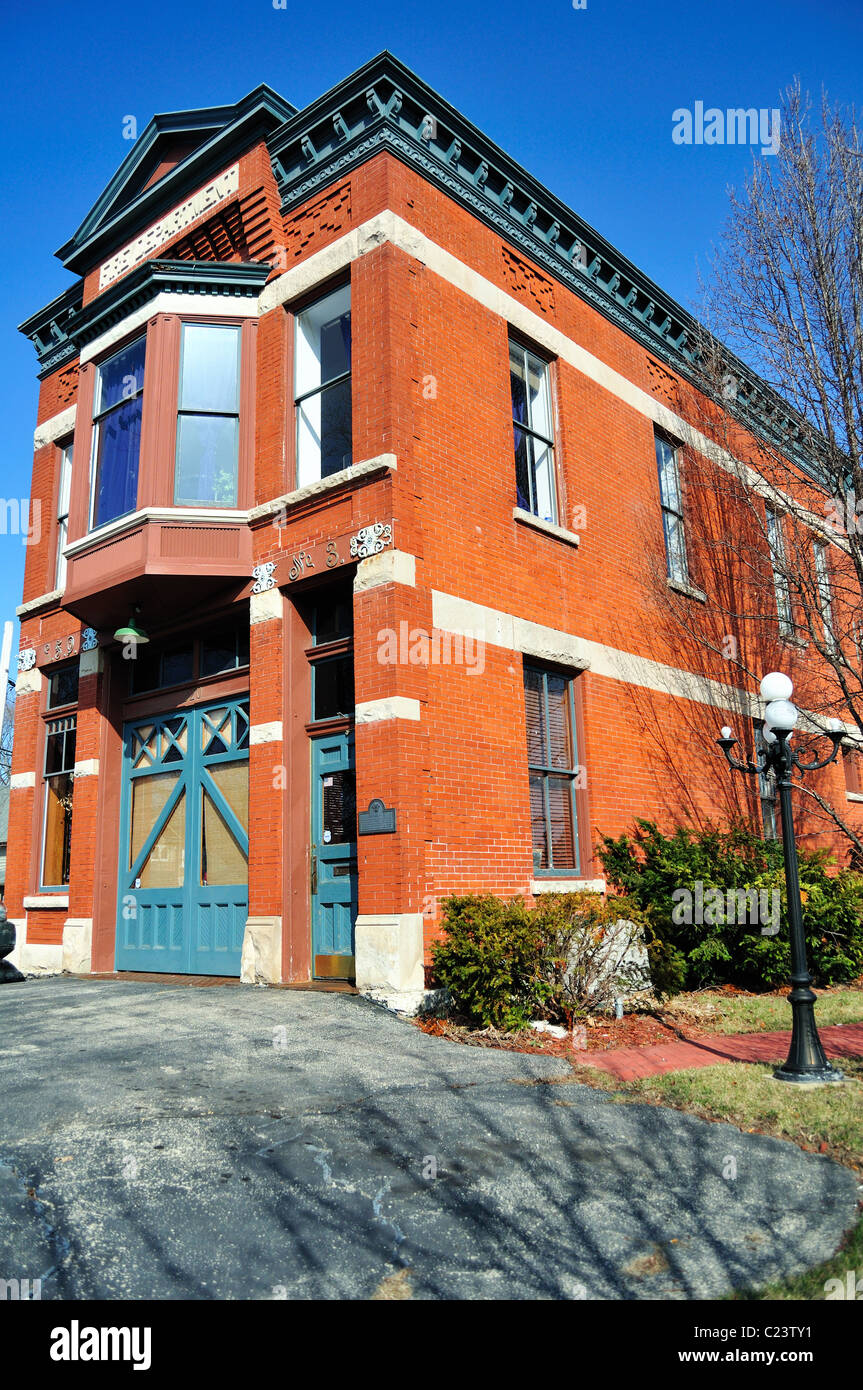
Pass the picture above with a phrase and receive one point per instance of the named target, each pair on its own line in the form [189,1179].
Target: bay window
[208,416]
[322,387]
[117,433]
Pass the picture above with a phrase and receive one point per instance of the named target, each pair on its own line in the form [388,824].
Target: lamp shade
[767,735]
[781,714]
[776,686]
[726,732]
[132,632]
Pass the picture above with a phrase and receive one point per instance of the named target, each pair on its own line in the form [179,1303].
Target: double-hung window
[555,776]
[117,433]
[63,493]
[59,779]
[776,544]
[208,416]
[533,436]
[322,389]
[671,500]
[825,596]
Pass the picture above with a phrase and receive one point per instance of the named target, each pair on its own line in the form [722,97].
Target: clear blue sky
[583,98]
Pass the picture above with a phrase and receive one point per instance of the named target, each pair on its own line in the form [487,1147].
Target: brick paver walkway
[628,1063]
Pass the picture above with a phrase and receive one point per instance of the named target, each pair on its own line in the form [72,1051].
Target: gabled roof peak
[194,144]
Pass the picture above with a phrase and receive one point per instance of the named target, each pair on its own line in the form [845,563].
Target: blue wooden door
[334,856]
[184,841]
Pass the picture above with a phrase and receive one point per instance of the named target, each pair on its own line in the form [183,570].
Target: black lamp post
[806,1062]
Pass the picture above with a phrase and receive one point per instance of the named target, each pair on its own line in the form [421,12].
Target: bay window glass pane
[63,686]
[118,445]
[207,451]
[121,377]
[668,479]
[210,368]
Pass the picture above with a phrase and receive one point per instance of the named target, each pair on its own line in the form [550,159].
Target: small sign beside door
[378,819]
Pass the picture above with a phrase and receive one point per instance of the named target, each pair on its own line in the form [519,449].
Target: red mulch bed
[633,1030]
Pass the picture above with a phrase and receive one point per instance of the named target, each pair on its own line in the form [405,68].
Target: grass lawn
[826,1119]
[719,1012]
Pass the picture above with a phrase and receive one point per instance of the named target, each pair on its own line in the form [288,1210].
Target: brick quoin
[433,307]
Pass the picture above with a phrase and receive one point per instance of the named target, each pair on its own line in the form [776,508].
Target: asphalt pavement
[240,1143]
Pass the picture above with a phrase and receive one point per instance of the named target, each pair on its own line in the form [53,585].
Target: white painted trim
[46,901]
[88,767]
[168,302]
[21,780]
[323,485]
[549,527]
[568,885]
[854,796]
[41,602]
[392,707]
[55,428]
[191,516]
[390,567]
[266,733]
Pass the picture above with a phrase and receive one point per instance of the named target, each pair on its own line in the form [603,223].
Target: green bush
[505,964]
[654,869]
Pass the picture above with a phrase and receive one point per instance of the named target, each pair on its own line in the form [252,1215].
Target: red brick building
[368,435]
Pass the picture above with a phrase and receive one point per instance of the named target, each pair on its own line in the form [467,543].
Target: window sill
[688,590]
[567,885]
[46,901]
[854,796]
[355,473]
[548,528]
[791,641]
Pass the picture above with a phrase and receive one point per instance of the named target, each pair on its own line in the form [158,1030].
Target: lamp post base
[819,1076]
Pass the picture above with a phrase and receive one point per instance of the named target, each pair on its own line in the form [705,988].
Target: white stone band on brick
[19,780]
[88,767]
[392,707]
[266,733]
[55,428]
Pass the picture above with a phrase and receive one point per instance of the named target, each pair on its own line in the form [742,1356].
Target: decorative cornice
[385,106]
[79,326]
